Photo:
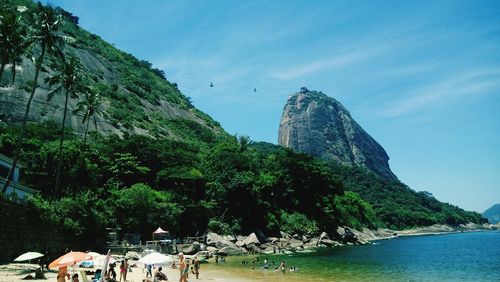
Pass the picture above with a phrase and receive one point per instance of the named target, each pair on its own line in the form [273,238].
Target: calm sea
[470,256]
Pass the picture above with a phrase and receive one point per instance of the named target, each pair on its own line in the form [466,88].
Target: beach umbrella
[94,254]
[156,259]
[70,258]
[100,260]
[28,256]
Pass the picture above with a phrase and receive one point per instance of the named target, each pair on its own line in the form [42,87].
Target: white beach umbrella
[156,259]
[28,256]
[100,260]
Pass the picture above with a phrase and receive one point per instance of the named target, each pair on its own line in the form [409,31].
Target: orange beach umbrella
[70,258]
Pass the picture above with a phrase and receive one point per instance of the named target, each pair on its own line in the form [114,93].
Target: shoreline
[367,235]
[230,271]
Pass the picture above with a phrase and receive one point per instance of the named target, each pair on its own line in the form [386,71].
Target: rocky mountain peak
[317,124]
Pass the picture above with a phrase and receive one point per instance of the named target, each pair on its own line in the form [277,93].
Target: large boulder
[285,235]
[269,249]
[230,238]
[191,249]
[216,240]
[294,243]
[251,239]
[323,235]
[346,235]
[273,239]
[231,251]
[253,249]
[329,243]
[311,244]
[212,250]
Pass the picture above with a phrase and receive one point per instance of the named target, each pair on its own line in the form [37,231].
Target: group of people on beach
[184,269]
[153,274]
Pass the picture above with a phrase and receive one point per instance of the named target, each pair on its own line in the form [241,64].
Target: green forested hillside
[135,97]
[394,204]
[397,205]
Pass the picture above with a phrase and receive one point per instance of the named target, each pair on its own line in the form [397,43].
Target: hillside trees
[45,32]
[69,77]
[90,106]
[13,39]
[139,182]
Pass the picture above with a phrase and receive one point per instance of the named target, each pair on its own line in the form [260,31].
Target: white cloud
[458,86]
[334,62]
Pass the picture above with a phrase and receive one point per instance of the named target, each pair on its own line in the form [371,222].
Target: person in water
[282,267]
[196,264]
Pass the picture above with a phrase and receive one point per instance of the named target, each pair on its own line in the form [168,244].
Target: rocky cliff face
[319,125]
[136,98]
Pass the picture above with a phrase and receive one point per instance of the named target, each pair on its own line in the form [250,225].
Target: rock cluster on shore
[258,243]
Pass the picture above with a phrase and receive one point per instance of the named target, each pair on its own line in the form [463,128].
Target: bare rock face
[319,125]
[139,100]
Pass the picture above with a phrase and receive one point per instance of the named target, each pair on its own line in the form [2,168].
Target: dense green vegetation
[139,183]
[191,177]
[398,206]
[229,185]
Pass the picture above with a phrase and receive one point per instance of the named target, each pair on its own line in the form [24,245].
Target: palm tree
[90,108]
[13,39]
[46,33]
[68,76]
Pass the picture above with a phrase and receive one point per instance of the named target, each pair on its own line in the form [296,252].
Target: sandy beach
[208,272]
[17,271]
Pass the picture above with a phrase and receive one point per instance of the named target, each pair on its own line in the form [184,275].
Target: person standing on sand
[122,270]
[112,272]
[283,267]
[126,270]
[62,273]
[183,268]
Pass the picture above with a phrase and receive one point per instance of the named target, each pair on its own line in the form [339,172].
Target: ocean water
[469,256]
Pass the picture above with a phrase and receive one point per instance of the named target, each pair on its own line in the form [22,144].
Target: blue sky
[422,77]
